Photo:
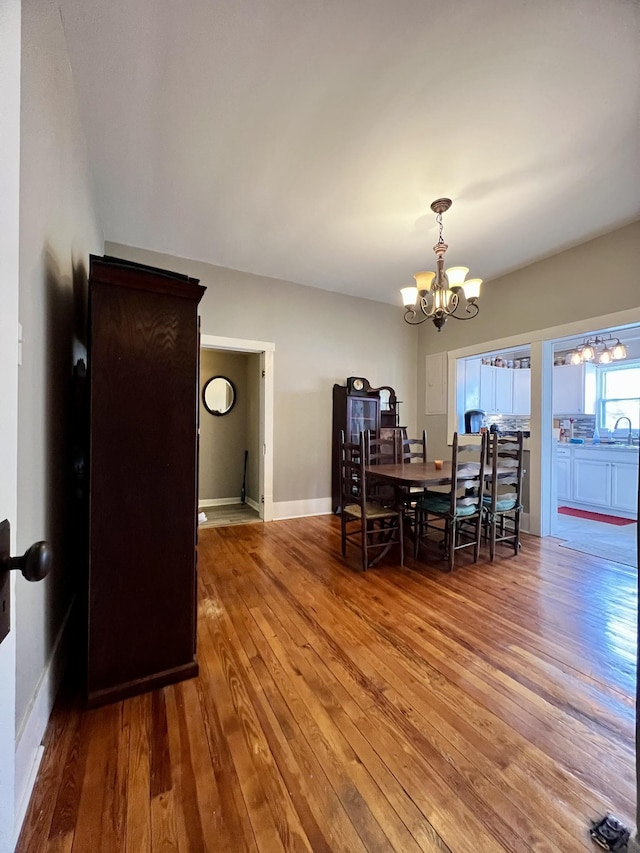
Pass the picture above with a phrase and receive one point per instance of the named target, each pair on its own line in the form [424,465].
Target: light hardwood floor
[490,710]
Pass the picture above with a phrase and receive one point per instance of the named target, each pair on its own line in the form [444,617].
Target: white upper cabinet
[496,389]
[574,389]
[522,391]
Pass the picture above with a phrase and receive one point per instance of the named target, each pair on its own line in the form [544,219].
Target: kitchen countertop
[625,448]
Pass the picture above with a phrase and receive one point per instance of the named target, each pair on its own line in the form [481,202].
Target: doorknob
[34,565]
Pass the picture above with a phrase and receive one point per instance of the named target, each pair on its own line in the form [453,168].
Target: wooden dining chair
[412,450]
[380,451]
[364,520]
[502,502]
[460,508]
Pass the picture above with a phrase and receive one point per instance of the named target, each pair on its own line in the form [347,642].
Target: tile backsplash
[507,423]
[583,425]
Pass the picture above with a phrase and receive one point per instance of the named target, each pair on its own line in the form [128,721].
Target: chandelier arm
[471,309]
[411,317]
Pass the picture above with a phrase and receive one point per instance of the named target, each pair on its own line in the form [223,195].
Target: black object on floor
[243,491]
[610,834]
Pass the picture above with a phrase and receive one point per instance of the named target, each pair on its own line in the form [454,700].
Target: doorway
[236,448]
[594,496]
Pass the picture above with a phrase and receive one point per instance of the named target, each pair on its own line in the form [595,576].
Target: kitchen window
[619,395]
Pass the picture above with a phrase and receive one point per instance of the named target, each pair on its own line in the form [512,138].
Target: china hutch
[358,407]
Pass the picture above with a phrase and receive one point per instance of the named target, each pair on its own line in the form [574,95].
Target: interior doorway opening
[236,442]
[594,450]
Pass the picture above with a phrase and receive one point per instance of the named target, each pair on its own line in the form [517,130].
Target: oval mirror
[385,395]
[219,395]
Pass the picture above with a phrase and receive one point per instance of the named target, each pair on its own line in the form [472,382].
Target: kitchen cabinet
[563,474]
[521,391]
[598,478]
[496,389]
[574,389]
[592,481]
[624,487]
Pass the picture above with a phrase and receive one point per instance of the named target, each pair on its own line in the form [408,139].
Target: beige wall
[320,338]
[224,438]
[596,278]
[58,230]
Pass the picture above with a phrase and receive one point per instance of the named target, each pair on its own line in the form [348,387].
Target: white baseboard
[228,502]
[301,509]
[29,749]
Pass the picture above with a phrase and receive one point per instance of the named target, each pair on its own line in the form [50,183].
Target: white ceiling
[306,139]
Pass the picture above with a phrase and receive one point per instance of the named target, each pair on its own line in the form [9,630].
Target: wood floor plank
[402,709]
[137,713]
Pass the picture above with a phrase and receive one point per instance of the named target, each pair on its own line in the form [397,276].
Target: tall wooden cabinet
[356,409]
[143,350]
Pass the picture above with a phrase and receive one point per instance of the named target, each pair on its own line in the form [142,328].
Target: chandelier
[438,295]
[598,348]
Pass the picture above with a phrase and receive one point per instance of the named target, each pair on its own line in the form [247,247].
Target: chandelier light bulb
[455,276]
[409,296]
[604,357]
[619,351]
[587,353]
[471,289]
[424,280]
[575,357]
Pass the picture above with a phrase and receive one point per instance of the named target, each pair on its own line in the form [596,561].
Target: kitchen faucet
[624,418]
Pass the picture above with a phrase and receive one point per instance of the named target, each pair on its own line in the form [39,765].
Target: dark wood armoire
[143,356]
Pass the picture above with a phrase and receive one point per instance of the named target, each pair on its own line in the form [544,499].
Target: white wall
[320,338]
[58,229]
[9,206]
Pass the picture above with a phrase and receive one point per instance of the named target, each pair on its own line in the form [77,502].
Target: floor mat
[595,516]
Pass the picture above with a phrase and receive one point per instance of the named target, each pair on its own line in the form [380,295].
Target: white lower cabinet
[592,482]
[563,473]
[598,478]
[624,487]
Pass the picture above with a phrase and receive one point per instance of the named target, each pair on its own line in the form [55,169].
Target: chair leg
[493,529]
[476,550]
[452,544]
[365,542]
[516,543]
[417,532]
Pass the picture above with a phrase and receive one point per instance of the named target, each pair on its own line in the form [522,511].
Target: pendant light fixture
[601,349]
[438,295]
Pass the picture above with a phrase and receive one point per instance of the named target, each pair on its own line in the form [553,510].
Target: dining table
[404,476]
[425,474]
